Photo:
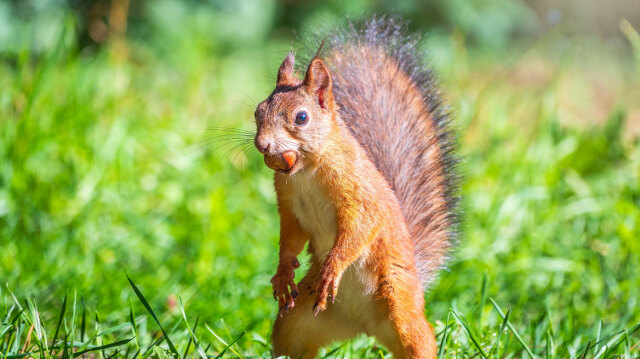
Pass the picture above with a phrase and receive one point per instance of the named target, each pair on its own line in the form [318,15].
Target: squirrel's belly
[315,213]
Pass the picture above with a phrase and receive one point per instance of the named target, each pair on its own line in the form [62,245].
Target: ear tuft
[285,73]
[317,82]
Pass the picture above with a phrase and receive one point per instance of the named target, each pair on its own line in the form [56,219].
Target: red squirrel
[364,173]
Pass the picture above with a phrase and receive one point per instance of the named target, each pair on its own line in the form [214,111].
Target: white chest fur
[314,211]
[317,215]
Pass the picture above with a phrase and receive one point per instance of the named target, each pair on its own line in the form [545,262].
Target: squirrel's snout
[262,144]
[275,157]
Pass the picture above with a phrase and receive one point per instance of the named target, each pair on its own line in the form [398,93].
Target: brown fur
[389,132]
[350,194]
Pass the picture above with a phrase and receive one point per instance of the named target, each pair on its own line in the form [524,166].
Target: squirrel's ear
[317,82]
[285,73]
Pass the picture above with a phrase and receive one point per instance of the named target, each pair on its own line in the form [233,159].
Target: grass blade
[72,331]
[65,347]
[134,328]
[113,329]
[12,323]
[329,354]
[613,340]
[443,341]
[229,346]
[55,336]
[596,346]
[148,351]
[38,328]
[102,347]
[513,330]
[222,341]
[17,356]
[551,351]
[14,297]
[192,336]
[186,350]
[469,333]
[627,345]
[586,350]
[83,324]
[148,307]
[483,299]
[502,326]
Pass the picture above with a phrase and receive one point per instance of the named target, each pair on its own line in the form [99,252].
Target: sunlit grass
[103,169]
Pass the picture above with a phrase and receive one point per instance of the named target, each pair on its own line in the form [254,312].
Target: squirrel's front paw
[281,282]
[328,281]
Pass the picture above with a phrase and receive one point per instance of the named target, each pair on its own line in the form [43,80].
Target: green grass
[103,174]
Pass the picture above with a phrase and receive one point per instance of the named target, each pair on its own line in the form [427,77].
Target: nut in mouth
[283,162]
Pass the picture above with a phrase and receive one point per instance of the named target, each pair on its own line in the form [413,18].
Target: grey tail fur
[389,100]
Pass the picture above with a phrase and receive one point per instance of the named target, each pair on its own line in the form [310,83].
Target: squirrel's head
[294,122]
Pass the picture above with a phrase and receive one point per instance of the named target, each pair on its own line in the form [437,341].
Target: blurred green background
[107,165]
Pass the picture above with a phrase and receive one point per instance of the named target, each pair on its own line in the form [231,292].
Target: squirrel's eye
[302,118]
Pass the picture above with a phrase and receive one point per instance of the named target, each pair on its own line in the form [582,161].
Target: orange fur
[363,276]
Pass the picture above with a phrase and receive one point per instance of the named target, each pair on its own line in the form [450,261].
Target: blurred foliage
[108,164]
[164,22]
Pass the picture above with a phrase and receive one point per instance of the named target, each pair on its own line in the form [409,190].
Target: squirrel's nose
[262,144]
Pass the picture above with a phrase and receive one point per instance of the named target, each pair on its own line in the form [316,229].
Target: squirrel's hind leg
[298,333]
[407,334]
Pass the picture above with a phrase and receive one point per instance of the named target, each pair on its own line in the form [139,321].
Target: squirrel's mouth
[284,162]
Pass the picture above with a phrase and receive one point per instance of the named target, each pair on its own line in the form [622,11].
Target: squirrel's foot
[281,282]
[327,285]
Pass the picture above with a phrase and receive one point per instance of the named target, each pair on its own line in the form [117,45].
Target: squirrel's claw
[284,305]
[327,286]
[281,282]
[318,307]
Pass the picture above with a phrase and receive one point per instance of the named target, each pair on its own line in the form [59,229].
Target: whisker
[289,142]
[250,145]
[222,143]
[225,138]
[242,150]
[247,148]
[199,148]
[252,101]
[229,130]
[229,151]
[249,106]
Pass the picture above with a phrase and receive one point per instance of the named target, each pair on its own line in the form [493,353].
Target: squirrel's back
[389,101]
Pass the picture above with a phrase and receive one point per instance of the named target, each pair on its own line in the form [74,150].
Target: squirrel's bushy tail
[389,100]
